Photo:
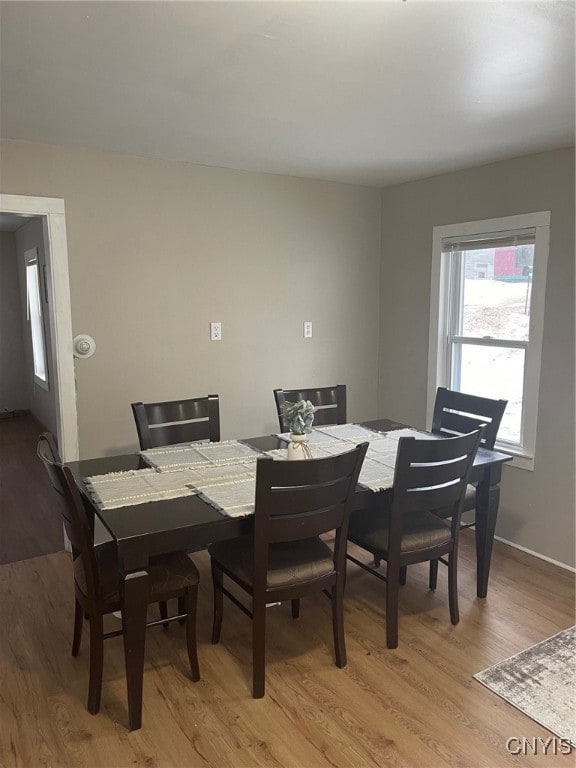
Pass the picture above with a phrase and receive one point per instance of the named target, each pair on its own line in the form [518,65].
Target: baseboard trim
[536,554]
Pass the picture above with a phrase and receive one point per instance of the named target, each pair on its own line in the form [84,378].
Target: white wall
[41,402]
[157,250]
[537,508]
[13,394]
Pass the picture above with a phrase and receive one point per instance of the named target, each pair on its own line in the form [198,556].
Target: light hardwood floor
[414,706]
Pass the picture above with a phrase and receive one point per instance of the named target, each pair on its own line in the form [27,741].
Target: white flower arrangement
[298,417]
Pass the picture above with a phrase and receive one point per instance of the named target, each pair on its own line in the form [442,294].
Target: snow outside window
[488,285]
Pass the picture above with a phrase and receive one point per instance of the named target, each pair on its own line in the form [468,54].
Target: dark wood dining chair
[329,402]
[177,421]
[429,475]
[286,559]
[456,413]
[97,582]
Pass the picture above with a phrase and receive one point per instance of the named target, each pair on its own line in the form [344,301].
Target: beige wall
[13,395]
[537,508]
[157,250]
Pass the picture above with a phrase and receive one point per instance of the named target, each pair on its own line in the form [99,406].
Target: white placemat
[235,498]
[377,472]
[354,433]
[396,434]
[376,476]
[137,486]
[193,454]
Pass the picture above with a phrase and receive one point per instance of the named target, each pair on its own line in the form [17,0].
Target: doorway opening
[51,213]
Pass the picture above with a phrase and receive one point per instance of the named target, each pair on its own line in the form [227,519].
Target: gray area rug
[541,682]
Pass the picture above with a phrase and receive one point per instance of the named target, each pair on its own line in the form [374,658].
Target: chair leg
[163,606]
[453,587]
[392,590]
[217,581]
[433,579]
[96,662]
[338,624]
[78,624]
[403,572]
[181,609]
[295,608]
[190,601]
[376,562]
[258,647]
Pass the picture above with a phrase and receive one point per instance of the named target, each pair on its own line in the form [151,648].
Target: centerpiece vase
[298,448]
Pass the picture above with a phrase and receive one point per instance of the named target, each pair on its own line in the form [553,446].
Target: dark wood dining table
[143,530]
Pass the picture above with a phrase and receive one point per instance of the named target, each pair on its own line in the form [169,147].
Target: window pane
[36,326]
[496,292]
[495,372]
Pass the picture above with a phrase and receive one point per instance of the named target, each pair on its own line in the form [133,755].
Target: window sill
[519,460]
[41,384]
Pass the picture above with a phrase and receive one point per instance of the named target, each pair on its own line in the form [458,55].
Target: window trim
[438,353]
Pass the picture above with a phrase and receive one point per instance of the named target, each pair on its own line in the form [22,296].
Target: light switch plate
[307,329]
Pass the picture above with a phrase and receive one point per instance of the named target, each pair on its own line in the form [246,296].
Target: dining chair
[329,404]
[97,586]
[429,475]
[285,558]
[177,421]
[457,413]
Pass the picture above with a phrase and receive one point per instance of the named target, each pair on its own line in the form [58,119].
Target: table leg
[134,608]
[487,502]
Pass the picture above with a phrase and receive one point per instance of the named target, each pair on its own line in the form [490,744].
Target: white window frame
[36,319]
[438,350]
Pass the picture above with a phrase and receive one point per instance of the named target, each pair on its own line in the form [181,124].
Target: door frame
[51,211]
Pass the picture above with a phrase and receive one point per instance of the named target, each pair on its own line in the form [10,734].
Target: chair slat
[330,403]
[178,421]
[460,412]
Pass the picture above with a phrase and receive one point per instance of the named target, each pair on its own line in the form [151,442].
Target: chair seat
[289,562]
[423,530]
[469,502]
[169,574]
[470,498]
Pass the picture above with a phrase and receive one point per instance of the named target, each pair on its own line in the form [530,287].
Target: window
[486,319]
[34,309]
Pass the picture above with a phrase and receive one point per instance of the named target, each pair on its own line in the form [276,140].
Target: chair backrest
[329,402]
[74,515]
[431,475]
[298,500]
[177,421]
[456,413]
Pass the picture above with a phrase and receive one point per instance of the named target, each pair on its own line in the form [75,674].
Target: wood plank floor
[30,522]
[414,706]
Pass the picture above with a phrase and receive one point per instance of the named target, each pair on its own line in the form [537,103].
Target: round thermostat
[84,346]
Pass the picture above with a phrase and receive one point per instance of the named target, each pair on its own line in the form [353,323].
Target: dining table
[143,530]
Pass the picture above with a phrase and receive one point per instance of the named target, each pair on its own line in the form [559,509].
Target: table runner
[224,474]
[377,473]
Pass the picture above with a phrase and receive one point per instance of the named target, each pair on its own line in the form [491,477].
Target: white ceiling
[364,92]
